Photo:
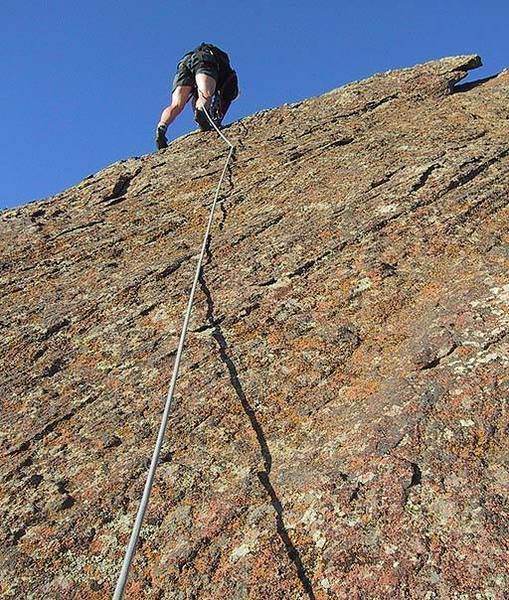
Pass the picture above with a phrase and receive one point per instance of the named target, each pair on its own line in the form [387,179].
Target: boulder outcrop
[341,425]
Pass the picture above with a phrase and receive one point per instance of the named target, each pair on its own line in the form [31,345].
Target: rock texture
[341,423]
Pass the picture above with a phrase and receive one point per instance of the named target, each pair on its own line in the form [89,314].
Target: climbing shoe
[161,141]
[201,118]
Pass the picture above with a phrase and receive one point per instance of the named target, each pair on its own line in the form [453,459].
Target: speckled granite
[341,424]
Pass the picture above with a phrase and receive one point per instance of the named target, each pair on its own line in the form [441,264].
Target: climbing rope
[131,548]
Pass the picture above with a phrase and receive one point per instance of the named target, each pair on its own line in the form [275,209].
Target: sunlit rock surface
[340,429]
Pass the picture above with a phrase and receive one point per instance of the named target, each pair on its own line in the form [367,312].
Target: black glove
[161,141]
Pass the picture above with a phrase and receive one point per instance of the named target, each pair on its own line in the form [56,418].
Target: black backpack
[221,57]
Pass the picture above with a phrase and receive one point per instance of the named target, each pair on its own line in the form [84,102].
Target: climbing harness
[131,548]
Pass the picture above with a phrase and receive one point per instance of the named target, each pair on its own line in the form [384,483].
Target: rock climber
[205,75]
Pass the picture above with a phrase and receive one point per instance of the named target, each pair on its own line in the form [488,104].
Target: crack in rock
[222,201]
[464,178]
[423,178]
[121,187]
[263,476]
[78,228]
[439,358]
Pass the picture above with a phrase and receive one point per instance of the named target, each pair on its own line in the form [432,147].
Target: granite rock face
[341,424]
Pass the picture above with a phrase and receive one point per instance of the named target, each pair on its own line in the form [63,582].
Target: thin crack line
[263,476]
[222,206]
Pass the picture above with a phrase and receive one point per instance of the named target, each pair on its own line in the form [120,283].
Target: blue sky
[83,83]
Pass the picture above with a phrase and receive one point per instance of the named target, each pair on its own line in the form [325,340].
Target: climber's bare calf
[206,89]
[179,99]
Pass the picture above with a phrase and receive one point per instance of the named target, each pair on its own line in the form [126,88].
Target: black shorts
[190,66]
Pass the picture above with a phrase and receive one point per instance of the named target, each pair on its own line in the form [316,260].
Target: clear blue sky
[83,82]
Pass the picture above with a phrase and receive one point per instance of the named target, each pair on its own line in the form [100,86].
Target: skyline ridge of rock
[340,427]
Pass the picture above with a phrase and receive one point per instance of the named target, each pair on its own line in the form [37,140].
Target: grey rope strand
[131,548]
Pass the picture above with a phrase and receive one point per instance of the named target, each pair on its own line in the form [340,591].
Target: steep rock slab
[341,425]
